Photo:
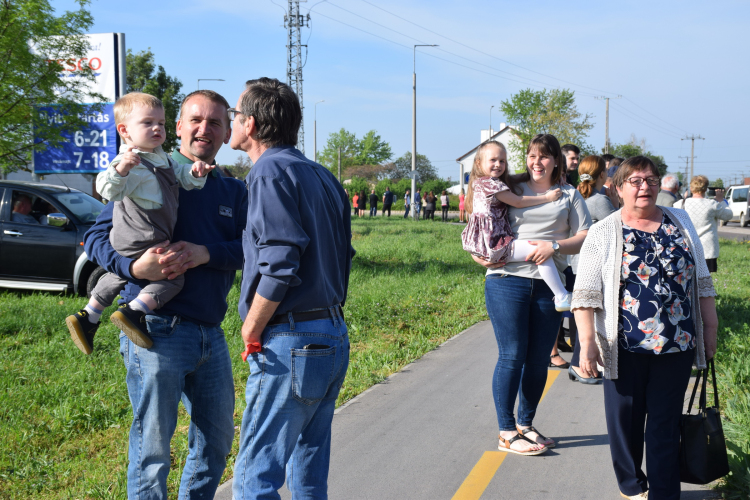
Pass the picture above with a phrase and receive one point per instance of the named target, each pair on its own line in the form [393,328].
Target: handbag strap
[702,379]
[695,390]
[713,377]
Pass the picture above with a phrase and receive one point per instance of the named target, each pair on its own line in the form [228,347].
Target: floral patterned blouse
[657,276]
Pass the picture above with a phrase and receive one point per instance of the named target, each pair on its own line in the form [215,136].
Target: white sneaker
[563,304]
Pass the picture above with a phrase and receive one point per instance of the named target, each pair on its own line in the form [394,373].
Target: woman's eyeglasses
[638,181]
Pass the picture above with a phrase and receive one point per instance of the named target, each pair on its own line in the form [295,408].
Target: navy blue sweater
[213,216]
[297,244]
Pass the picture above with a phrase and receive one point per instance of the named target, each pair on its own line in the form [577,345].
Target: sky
[681,67]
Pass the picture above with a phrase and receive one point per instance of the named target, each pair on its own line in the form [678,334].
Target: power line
[482,52]
[643,122]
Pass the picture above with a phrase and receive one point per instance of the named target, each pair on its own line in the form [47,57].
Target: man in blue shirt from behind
[298,256]
[189,359]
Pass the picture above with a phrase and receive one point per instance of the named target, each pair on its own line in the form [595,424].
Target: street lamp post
[315,130]
[414,135]
[489,136]
[208,80]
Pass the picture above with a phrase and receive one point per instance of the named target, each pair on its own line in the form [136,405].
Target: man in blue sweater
[298,256]
[189,360]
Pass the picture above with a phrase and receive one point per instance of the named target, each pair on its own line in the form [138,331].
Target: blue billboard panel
[85,151]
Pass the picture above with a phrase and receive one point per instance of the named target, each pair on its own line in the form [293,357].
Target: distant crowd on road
[428,202]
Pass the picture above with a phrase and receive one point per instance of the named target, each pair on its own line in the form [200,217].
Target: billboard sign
[90,149]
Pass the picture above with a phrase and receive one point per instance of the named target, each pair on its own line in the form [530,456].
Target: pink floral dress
[488,233]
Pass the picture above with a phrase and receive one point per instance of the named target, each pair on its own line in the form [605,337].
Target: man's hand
[201,168]
[178,257]
[719,195]
[128,161]
[486,263]
[260,313]
[165,261]
[541,253]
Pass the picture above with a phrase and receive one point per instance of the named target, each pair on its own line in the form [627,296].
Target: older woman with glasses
[644,305]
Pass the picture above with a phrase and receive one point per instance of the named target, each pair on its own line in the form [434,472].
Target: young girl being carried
[488,233]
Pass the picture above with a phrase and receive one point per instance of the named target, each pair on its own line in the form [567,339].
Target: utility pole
[315,131]
[687,160]
[293,22]
[490,129]
[339,164]
[414,135]
[692,139]
[606,121]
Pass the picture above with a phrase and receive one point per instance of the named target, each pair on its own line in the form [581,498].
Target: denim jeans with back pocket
[291,395]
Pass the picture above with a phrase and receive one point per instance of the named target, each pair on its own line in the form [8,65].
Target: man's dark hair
[608,157]
[276,110]
[212,96]
[570,147]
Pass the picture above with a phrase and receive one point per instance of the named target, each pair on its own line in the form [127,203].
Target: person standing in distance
[189,359]
[387,201]
[298,257]
[373,204]
[572,157]
[407,204]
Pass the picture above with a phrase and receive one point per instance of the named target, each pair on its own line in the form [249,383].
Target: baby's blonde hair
[477,171]
[125,104]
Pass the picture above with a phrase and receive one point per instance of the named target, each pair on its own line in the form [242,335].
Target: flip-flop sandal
[504,445]
[531,428]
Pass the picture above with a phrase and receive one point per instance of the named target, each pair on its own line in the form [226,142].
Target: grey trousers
[110,285]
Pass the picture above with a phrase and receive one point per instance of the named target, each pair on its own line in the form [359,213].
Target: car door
[32,251]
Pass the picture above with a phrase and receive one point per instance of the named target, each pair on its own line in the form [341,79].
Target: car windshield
[86,208]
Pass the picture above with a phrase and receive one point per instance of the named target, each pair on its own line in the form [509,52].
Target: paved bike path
[429,432]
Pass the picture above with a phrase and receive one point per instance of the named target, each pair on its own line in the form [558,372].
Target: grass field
[64,417]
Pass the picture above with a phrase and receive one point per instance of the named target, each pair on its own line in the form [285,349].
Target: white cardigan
[598,283]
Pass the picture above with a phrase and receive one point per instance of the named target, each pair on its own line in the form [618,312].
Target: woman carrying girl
[519,303]
[488,234]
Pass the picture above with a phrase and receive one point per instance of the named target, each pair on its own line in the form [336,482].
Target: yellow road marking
[484,470]
[480,476]
[551,376]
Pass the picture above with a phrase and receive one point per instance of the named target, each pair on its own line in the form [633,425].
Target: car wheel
[743,220]
[94,278]
[722,223]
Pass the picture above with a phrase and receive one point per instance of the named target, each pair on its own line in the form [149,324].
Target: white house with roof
[504,136]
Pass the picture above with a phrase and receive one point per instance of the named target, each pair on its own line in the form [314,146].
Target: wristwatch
[556,247]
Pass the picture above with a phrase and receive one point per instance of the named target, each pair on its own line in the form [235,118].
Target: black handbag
[703,453]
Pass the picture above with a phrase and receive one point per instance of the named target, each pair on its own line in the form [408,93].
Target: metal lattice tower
[294,22]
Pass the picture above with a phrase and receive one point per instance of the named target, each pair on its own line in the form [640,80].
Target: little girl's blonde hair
[477,172]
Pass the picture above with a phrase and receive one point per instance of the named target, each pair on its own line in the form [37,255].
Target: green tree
[142,76]
[349,145]
[369,151]
[33,44]
[402,168]
[241,166]
[373,150]
[718,183]
[545,112]
[436,186]
[638,147]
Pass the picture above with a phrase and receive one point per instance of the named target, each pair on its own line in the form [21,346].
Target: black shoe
[564,366]
[133,325]
[572,375]
[82,330]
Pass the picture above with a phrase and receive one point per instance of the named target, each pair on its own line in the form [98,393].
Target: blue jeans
[291,395]
[191,363]
[522,312]
[407,209]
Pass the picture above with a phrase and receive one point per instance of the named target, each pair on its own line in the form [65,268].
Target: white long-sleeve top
[598,283]
[705,214]
[140,185]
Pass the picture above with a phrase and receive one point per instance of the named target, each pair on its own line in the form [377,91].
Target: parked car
[42,249]
[737,198]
